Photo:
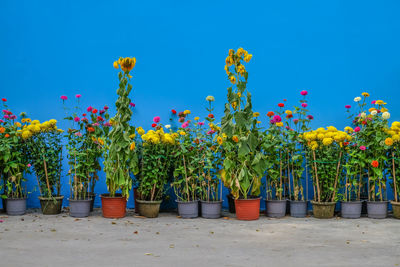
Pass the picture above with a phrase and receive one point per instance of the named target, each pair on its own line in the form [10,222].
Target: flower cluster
[326,137]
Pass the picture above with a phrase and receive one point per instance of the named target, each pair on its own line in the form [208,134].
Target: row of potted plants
[197,157]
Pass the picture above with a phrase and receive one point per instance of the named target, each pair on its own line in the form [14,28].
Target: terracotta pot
[247,209]
[396,209]
[113,207]
[51,206]
[323,210]
[148,209]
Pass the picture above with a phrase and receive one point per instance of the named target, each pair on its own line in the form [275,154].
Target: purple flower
[105,107]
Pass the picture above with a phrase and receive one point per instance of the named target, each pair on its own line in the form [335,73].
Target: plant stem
[394,178]
[316,177]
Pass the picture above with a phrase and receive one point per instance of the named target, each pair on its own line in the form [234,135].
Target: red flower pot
[113,207]
[247,209]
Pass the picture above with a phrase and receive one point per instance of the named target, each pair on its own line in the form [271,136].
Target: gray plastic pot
[350,209]
[79,208]
[188,209]
[298,209]
[377,209]
[275,208]
[16,206]
[211,209]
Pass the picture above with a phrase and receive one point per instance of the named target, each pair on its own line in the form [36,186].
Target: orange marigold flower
[90,129]
[235,138]
[270,114]
[375,164]
[2,129]
[7,135]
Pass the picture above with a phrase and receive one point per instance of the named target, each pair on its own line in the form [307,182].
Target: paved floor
[59,240]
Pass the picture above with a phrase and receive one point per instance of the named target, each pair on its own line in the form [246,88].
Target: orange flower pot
[247,209]
[113,207]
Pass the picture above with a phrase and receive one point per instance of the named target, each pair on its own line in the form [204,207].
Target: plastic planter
[52,205]
[148,209]
[377,209]
[275,208]
[79,208]
[211,209]
[323,210]
[188,209]
[16,206]
[350,209]
[247,209]
[113,207]
[298,209]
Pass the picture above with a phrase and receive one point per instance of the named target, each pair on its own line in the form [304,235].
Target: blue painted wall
[334,49]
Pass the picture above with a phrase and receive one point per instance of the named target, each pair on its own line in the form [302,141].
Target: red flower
[90,129]
[289,116]
[281,105]
[211,116]
[84,114]
[94,111]
[375,164]
[154,125]
[99,118]
[285,100]
[173,111]
[345,143]
[364,122]
[106,107]
[4,99]
[270,114]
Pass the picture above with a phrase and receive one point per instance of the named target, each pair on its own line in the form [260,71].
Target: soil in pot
[188,209]
[211,209]
[16,206]
[231,203]
[113,207]
[396,209]
[79,208]
[323,210]
[377,209]
[350,209]
[148,209]
[247,209]
[275,208]
[298,209]
[51,206]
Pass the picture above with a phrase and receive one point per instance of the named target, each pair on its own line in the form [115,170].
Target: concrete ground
[59,240]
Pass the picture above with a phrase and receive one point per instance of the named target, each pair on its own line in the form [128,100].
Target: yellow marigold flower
[256,114]
[248,57]
[241,69]
[327,141]
[132,146]
[320,136]
[232,79]
[182,133]
[60,131]
[28,120]
[196,118]
[219,140]
[35,122]
[332,129]
[288,112]
[371,109]
[235,138]
[389,141]
[365,94]
[380,102]
[234,105]
[115,64]
[279,124]
[132,136]
[348,129]
[127,64]
[396,138]
[384,110]
[231,52]
[36,129]
[23,120]
[240,52]
[239,94]
[17,124]
[26,134]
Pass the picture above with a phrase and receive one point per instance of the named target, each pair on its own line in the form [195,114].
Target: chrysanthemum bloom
[347,106]
[153,125]
[156,119]
[210,98]
[211,116]
[127,63]
[288,112]
[270,114]
[4,99]
[235,138]
[256,114]
[281,105]
[384,109]
[310,117]
[389,141]
[76,119]
[357,99]
[304,92]
[386,115]
[304,105]
[365,94]
[357,129]
[375,164]
[182,133]
[89,109]
[78,96]
[64,97]
[173,111]
[363,115]
[363,148]
[380,102]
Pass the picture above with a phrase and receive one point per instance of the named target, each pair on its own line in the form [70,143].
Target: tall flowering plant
[393,164]
[120,160]
[244,163]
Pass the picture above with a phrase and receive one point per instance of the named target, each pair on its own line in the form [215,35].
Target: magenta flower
[96,124]
[310,117]
[78,96]
[13,117]
[102,111]
[373,102]
[347,106]
[304,92]
[304,105]
[156,119]
[105,107]
[85,120]
[357,129]
[296,121]
[210,132]
[107,124]
[29,165]
[132,104]
[89,109]
[1,121]
[76,119]
[6,117]
[277,118]
[78,134]
[63,97]
[185,124]
[363,148]
[200,123]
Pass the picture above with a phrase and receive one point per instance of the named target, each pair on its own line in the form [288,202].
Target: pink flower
[76,119]
[185,124]
[363,148]
[304,92]
[85,120]
[105,107]
[156,119]
[78,96]
[304,105]
[310,117]
[6,117]
[357,129]
[347,106]
[296,121]
[277,118]
[89,109]
[102,111]
[373,102]
[200,123]
[29,165]
[107,124]
[78,134]
[210,132]
[13,117]
[96,124]
[64,97]
[132,104]
[1,121]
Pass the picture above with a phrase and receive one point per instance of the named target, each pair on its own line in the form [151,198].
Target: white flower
[357,99]
[167,126]
[210,98]
[386,115]
[374,112]
[363,115]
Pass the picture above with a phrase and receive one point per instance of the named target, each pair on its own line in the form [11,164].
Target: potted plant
[209,178]
[45,156]
[14,162]
[325,154]
[393,165]
[155,163]
[85,144]
[370,129]
[120,158]
[244,164]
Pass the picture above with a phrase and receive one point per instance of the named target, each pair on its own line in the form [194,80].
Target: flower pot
[135,198]
[323,210]
[396,209]
[351,209]
[113,207]
[4,203]
[275,208]
[79,208]
[231,203]
[377,209]
[298,209]
[211,209]
[188,209]
[148,209]
[16,206]
[92,196]
[247,209]
[51,205]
